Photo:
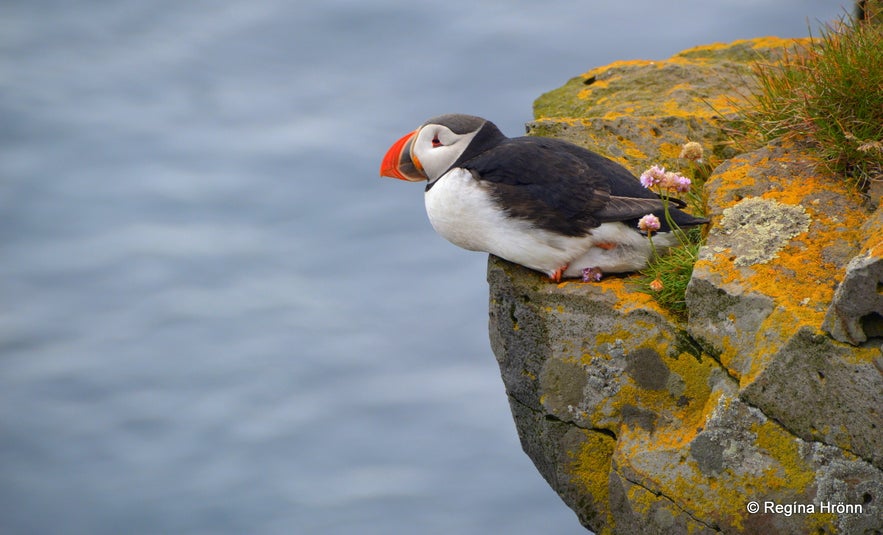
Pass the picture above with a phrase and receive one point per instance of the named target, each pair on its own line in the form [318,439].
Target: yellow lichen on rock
[635,111]
[589,465]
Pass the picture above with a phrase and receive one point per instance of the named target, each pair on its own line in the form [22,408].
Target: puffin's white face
[428,152]
[437,147]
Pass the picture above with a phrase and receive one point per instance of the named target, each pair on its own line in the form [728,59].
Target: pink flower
[592,274]
[652,176]
[675,182]
[683,184]
[649,223]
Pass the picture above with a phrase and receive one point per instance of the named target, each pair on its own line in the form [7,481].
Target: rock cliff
[770,392]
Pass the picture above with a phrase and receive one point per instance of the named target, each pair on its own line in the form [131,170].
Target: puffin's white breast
[462,211]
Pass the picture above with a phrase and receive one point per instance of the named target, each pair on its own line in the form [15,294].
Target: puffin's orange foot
[606,245]
[592,274]
[556,276]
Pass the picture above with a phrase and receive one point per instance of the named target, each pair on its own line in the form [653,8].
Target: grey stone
[856,313]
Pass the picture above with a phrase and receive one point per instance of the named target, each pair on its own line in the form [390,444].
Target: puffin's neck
[487,137]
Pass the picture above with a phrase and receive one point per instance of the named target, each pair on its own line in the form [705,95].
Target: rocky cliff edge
[771,393]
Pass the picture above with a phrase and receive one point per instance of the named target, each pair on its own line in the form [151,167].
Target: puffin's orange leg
[606,245]
[556,276]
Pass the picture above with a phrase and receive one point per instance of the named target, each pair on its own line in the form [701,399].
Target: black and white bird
[543,203]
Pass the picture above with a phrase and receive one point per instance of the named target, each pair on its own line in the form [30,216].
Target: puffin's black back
[562,187]
[621,181]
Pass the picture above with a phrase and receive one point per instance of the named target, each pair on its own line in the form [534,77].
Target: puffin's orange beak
[400,163]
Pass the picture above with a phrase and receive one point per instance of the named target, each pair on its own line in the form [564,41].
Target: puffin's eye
[436,142]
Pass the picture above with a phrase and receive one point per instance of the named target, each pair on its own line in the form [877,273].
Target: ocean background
[215,317]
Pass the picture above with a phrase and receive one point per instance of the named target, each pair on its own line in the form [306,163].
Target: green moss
[563,101]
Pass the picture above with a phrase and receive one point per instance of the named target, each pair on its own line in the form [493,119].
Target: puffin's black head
[438,145]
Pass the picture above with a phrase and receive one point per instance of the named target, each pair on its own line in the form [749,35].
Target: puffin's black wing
[553,189]
[629,200]
[565,188]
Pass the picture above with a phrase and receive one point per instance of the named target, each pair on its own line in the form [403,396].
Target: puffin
[544,203]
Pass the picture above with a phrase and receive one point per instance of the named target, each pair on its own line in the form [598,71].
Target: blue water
[216,317]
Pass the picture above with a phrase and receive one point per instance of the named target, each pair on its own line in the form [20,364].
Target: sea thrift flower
[656,285]
[691,151]
[649,223]
[592,274]
[652,176]
[683,185]
[675,182]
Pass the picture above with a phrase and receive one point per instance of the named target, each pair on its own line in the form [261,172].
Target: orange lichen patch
[724,104]
[669,150]
[873,243]
[712,46]
[585,94]
[734,179]
[729,356]
[696,375]
[721,264]
[631,150]
[627,299]
[616,65]
[616,113]
[600,84]
[778,42]
[801,278]
[557,309]
[864,355]
[672,107]
[757,45]
[657,401]
[689,412]
[780,325]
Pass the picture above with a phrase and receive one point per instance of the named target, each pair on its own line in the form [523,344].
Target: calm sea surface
[216,317]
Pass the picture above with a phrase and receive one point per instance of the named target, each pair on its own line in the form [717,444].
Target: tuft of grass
[672,271]
[830,91]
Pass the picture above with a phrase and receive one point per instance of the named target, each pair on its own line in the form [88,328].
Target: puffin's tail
[681,219]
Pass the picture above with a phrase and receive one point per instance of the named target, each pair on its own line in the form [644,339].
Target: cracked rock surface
[639,432]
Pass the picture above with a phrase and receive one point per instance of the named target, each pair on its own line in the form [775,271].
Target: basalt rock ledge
[770,393]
